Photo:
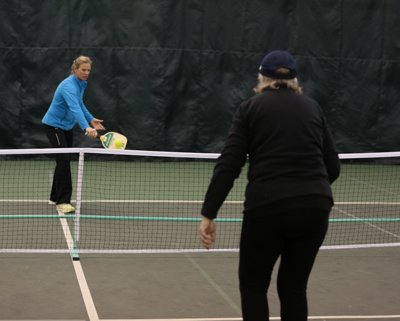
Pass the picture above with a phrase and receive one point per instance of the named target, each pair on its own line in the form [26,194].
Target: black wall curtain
[170,74]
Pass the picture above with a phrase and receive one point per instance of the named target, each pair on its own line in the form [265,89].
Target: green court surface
[136,203]
[135,234]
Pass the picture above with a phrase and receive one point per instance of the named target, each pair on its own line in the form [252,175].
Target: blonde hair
[267,82]
[78,62]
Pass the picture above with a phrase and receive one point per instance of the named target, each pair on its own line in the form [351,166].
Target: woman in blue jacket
[66,110]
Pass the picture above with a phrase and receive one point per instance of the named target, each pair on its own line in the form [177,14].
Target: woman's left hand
[97,124]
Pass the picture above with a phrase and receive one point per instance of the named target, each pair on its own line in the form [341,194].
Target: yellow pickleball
[119,144]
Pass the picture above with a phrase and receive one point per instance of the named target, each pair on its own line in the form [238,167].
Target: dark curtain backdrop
[170,74]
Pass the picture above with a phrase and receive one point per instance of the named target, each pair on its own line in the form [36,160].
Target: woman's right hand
[207,232]
[91,132]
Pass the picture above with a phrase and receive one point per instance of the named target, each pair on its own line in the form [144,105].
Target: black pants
[294,237]
[61,189]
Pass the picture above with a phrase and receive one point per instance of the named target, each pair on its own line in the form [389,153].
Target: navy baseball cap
[275,60]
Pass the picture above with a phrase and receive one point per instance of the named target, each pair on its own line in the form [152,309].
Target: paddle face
[113,140]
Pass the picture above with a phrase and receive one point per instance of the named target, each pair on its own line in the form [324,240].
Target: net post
[75,247]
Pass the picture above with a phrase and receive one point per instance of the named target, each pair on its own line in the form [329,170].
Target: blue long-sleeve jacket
[67,108]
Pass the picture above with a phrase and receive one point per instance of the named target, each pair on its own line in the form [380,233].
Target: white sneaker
[65,208]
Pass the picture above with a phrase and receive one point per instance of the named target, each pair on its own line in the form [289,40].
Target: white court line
[339,317]
[86,295]
[85,291]
[13,200]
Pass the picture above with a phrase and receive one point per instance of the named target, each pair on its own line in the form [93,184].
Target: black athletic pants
[295,237]
[61,189]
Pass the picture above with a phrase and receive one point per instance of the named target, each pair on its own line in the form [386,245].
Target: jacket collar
[81,83]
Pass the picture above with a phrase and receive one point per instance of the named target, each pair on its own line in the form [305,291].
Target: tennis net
[149,202]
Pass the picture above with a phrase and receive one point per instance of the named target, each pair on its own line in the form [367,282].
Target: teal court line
[179,219]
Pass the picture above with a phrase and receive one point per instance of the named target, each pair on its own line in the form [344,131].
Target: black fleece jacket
[292,157]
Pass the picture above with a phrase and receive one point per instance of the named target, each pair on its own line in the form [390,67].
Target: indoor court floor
[356,284]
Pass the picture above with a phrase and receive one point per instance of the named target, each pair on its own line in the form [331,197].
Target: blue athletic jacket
[67,107]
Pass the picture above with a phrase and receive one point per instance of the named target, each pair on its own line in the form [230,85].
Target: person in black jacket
[292,162]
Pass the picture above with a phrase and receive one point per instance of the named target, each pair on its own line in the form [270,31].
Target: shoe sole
[72,210]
